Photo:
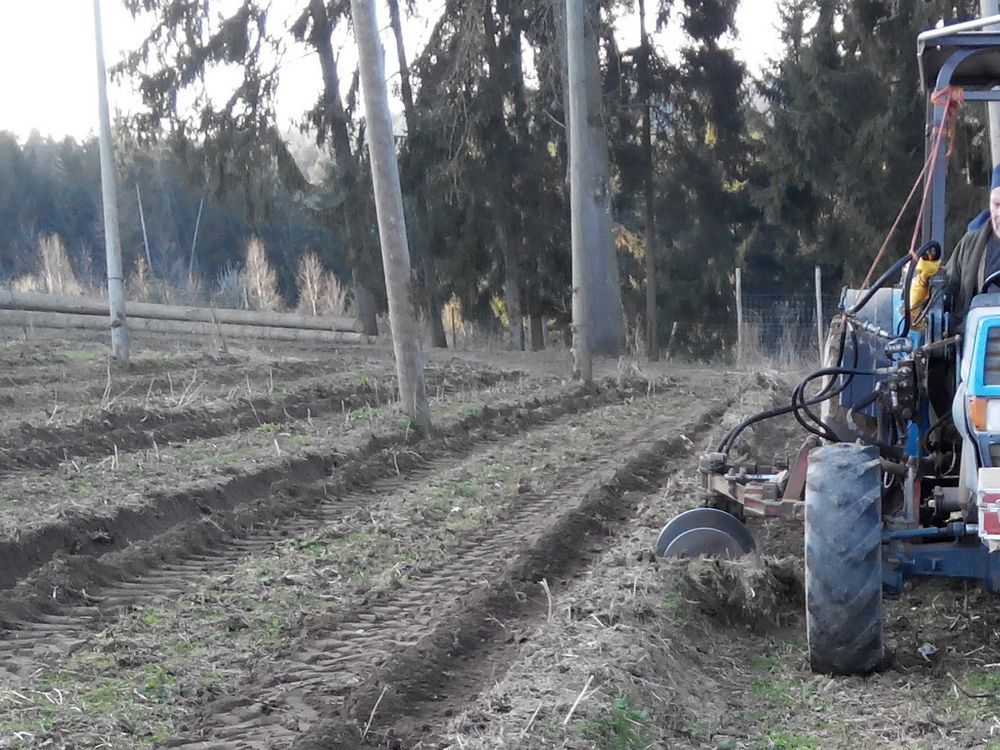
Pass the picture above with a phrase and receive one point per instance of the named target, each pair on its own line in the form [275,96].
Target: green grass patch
[620,727]
[786,741]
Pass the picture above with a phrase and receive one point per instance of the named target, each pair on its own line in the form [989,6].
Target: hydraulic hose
[726,445]
[827,431]
[799,402]
[881,281]
[727,442]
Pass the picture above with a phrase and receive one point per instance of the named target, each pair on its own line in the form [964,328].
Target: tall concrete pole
[109,196]
[389,208]
[578,155]
[989,8]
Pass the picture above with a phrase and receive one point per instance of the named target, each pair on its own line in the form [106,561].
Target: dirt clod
[757,591]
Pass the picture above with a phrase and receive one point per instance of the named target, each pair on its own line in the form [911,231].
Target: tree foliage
[807,165]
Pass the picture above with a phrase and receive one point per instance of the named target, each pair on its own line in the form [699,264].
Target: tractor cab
[900,475]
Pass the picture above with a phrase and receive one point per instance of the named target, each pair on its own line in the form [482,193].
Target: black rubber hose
[879,283]
[924,250]
[822,396]
[727,442]
[801,403]
[827,430]
[907,283]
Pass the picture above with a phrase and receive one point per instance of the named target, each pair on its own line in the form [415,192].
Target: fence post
[739,317]
[819,313]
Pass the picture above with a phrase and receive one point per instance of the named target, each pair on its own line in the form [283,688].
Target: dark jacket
[965,268]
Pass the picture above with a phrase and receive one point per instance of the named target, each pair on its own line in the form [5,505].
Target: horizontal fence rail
[34,310]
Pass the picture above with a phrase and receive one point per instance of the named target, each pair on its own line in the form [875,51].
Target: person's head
[995,200]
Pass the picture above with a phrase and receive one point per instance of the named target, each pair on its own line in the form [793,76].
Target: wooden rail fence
[31,309]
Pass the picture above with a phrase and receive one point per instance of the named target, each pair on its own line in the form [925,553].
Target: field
[254,550]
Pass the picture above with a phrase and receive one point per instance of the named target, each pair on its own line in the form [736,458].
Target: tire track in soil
[34,447]
[97,535]
[38,627]
[435,643]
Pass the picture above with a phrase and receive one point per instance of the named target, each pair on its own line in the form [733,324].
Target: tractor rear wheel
[843,556]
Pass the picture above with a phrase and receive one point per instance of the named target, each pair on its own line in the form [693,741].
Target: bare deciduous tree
[309,277]
[320,291]
[54,267]
[260,279]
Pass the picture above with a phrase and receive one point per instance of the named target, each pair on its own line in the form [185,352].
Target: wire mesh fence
[778,330]
[782,327]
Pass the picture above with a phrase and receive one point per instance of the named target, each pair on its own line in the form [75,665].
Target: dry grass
[786,354]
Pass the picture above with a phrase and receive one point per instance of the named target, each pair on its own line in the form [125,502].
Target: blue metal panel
[871,348]
[964,559]
[977,384]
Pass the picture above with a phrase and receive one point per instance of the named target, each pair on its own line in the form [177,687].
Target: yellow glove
[920,289]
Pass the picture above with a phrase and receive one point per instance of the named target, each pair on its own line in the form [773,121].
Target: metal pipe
[976,24]
[893,467]
[956,529]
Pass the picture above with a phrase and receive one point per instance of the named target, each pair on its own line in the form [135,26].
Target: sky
[48,80]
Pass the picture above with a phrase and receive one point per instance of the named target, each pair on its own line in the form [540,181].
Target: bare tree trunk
[389,206]
[580,186]
[321,40]
[536,332]
[652,333]
[607,315]
[512,291]
[364,308]
[422,257]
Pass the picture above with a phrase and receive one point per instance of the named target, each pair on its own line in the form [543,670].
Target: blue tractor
[900,477]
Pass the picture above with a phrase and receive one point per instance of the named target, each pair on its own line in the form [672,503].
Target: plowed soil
[712,655]
[247,555]
[256,551]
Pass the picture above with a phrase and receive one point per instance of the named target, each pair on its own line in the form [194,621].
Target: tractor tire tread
[843,553]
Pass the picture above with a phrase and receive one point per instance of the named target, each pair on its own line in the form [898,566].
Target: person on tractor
[976,257]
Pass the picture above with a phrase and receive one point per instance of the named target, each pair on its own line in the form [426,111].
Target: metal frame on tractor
[937,511]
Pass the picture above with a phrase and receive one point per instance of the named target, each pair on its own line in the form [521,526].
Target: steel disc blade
[711,518]
[704,541]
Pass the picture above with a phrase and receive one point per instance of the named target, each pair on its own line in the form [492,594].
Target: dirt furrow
[64,601]
[426,644]
[32,446]
[97,533]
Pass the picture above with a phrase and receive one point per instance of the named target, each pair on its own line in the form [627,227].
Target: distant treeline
[54,188]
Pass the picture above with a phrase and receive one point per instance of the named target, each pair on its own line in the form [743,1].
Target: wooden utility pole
[819,313]
[739,317]
[109,196]
[391,225]
[645,94]
[576,83]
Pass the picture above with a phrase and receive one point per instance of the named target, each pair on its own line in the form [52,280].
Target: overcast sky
[47,65]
